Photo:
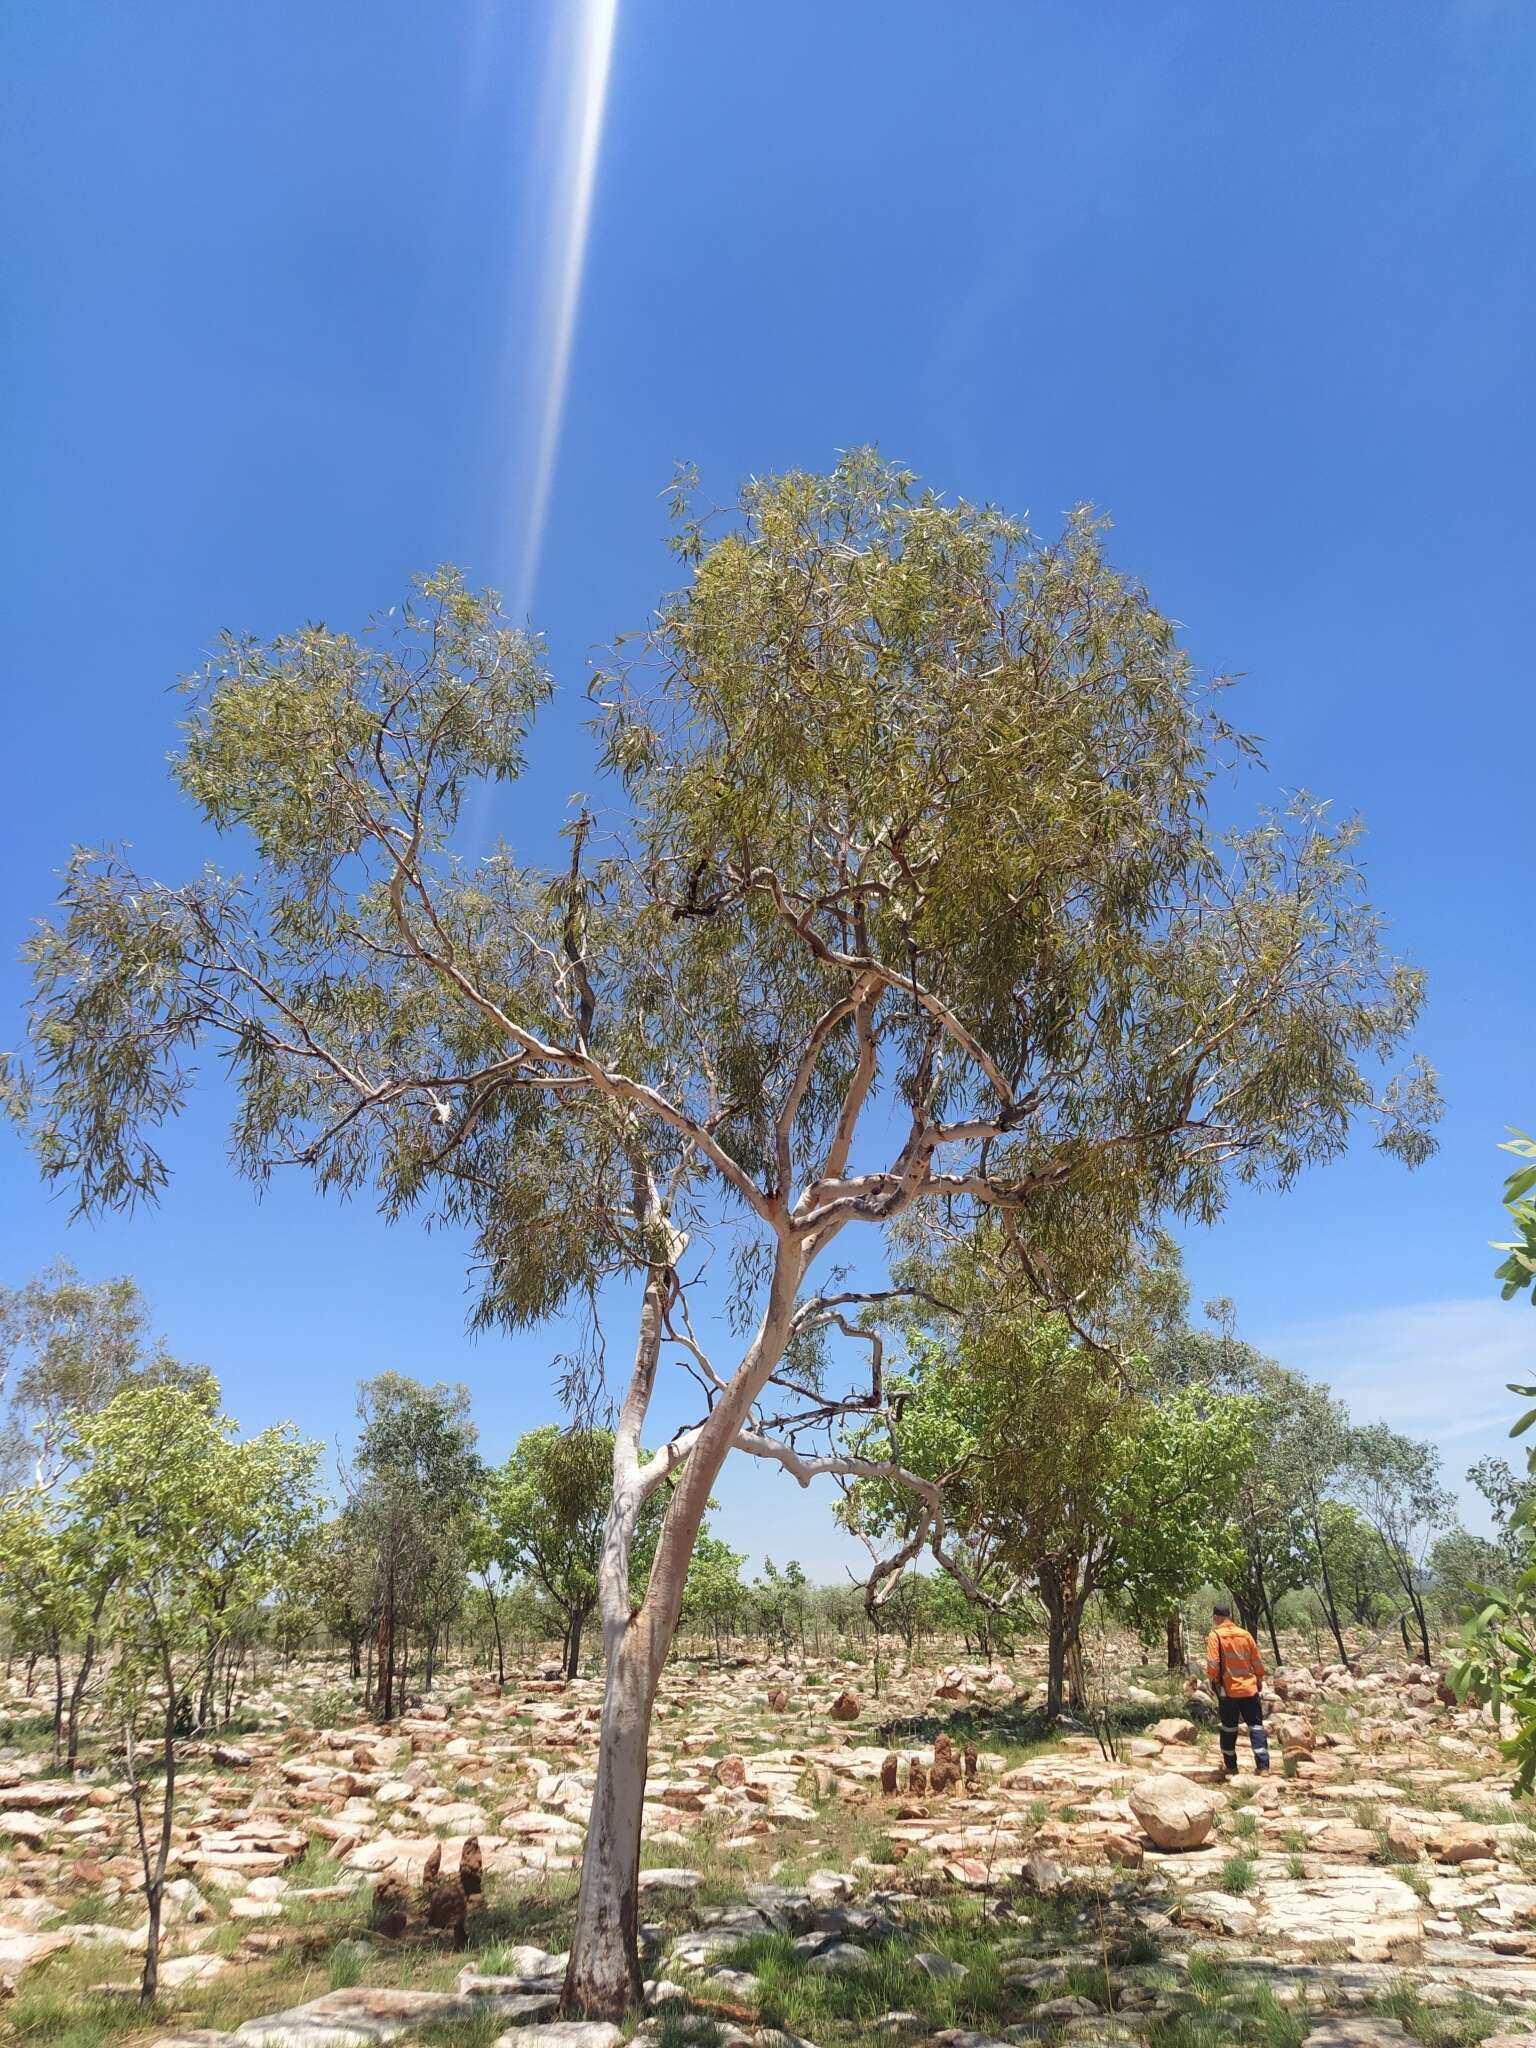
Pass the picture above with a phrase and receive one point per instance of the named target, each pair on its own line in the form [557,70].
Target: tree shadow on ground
[1017,1725]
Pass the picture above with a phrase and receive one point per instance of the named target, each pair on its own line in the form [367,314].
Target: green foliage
[1518,1271]
[885,754]
[399,1550]
[187,1523]
[544,1513]
[172,1530]
[1498,1647]
[66,1347]
[1362,1576]
[778,1602]
[714,1598]
[1061,1471]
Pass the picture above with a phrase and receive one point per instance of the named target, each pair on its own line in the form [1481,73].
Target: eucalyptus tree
[185,1526]
[1302,1439]
[1062,1475]
[68,1345]
[414,1489]
[1394,1482]
[909,895]
[46,1603]
[1512,1509]
[548,1505]
[714,1599]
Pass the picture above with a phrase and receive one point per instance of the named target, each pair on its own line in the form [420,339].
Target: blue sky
[283,297]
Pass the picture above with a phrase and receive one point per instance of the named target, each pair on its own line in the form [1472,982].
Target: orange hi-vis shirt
[1233,1661]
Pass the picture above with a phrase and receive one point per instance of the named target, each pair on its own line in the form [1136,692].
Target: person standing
[1234,1665]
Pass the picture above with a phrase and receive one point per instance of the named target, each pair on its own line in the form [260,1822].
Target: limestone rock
[1343,1838]
[1173,1729]
[1462,1840]
[1173,1810]
[1403,1838]
[565,2034]
[361,2017]
[1359,2033]
[1220,1911]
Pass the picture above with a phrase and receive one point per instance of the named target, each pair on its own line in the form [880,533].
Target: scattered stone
[1358,2033]
[1174,1812]
[670,1880]
[1405,1840]
[1463,1840]
[847,1707]
[1342,1838]
[1173,1730]
[1221,1912]
[566,2034]
[840,1957]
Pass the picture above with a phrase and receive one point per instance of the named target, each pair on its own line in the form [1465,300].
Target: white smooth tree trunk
[603,1976]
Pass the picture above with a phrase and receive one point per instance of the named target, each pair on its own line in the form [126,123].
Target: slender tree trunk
[1178,1656]
[578,1622]
[1055,1647]
[205,1696]
[1077,1683]
[154,1890]
[603,1975]
[58,1700]
[1325,1590]
[385,1661]
[1274,1634]
[77,1691]
[1074,1600]
[494,1605]
[1422,1619]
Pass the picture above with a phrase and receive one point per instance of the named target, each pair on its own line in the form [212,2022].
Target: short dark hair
[1222,1613]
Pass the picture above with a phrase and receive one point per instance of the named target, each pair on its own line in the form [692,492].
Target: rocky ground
[822,1866]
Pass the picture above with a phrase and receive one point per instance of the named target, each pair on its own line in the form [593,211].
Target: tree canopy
[909,895]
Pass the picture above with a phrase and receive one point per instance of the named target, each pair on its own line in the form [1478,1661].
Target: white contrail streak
[577,95]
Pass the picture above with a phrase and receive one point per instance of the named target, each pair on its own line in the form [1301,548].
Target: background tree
[779,1601]
[186,1525]
[715,1598]
[66,1347]
[913,901]
[46,1602]
[1360,1577]
[550,1503]
[1395,1483]
[1464,1571]
[414,1487]
[1062,1470]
